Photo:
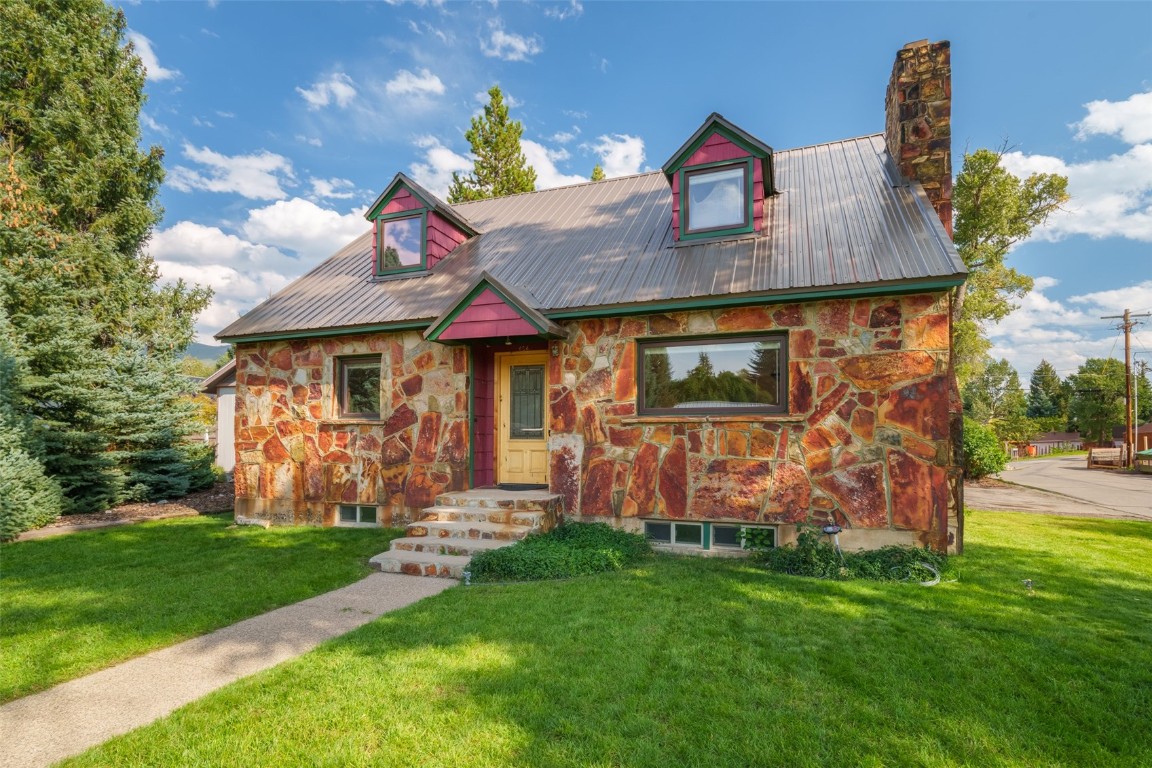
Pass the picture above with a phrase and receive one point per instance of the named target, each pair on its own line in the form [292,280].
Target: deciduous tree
[501,168]
[995,210]
[1097,399]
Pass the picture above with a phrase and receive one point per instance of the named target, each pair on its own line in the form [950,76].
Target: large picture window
[358,387]
[716,200]
[744,374]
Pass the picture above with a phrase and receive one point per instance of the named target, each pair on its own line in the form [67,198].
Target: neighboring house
[745,337]
[1143,437]
[222,386]
[1044,444]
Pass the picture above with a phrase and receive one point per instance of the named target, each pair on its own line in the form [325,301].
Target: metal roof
[843,220]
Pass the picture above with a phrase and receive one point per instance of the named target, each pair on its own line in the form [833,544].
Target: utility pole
[1127,324]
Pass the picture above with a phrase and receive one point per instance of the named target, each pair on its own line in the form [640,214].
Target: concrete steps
[465,523]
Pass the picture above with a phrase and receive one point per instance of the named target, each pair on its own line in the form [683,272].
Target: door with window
[521,423]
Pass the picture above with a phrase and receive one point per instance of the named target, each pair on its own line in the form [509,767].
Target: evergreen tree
[77,205]
[1045,395]
[501,168]
[658,380]
[29,498]
[994,211]
[764,371]
[597,173]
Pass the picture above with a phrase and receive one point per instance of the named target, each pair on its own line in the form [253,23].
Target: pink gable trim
[486,317]
[716,149]
[403,200]
[443,237]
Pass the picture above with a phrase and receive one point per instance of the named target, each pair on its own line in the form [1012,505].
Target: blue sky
[283,121]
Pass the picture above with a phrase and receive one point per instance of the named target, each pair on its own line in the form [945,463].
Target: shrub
[983,454]
[813,555]
[200,459]
[28,497]
[572,549]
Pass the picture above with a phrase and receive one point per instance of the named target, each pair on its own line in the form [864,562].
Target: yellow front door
[521,423]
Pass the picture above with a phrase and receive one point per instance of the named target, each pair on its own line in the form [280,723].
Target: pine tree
[29,498]
[76,207]
[501,168]
[764,371]
[598,173]
[1045,395]
[1097,402]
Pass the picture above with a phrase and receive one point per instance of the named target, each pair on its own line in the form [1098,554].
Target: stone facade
[865,442]
[296,461]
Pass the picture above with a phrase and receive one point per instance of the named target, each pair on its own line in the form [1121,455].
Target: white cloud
[313,141]
[299,225]
[1043,328]
[258,176]
[620,154]
[560,11]
[240,273]
[1130,120]
[435,172]
[1111,197]
[508,46]
[337,89]
[563,137]
[150,123]
[152,68]
[406,83]
[544,160]
[337,189]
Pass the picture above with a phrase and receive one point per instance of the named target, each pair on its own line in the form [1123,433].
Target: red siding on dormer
[403,200]
[717,149]
[442,237]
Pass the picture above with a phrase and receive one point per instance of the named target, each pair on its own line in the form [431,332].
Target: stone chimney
[918,120]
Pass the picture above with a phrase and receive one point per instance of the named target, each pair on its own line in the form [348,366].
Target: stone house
[746,337]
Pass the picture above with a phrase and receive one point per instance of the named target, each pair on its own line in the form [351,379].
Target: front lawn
[693,662]
[76,603]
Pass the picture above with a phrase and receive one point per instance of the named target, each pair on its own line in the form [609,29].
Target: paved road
[1127,494]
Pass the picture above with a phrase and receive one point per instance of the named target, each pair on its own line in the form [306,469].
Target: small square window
[357,514]
[725,535]
[401,243]
[358,391]
[716,200]
[688,533]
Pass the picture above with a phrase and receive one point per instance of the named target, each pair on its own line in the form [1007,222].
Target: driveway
[1064,485]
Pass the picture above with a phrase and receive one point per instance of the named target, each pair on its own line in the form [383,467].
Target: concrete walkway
[40,729]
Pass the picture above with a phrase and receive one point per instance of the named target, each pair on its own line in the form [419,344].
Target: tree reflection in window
[721,375]
[360,387]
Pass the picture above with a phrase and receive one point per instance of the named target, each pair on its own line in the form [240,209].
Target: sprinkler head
[832,530]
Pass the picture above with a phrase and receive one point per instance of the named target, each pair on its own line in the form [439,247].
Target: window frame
[359,510]
[782,384]
[707,542]
[343,365]
[384,218]
[686,174]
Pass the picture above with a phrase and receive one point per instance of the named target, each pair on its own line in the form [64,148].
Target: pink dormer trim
[402,201]
[443,237]
[486,317]
[717,149]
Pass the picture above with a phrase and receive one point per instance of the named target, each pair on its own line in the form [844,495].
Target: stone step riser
[502,516]
[438,570]
[461,547]
[433,531]
[521,505]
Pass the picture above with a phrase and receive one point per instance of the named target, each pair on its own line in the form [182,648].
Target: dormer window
[401,245]
[718,200]
[720,181]
[414,230]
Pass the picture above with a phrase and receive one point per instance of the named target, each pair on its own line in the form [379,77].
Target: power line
[1127,324]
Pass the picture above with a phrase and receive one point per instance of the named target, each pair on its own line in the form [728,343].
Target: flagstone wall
[865,444]
[296,461]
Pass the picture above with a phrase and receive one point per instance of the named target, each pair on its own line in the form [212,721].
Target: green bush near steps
[572,549]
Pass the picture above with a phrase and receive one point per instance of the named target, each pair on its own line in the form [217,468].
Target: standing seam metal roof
[843,218]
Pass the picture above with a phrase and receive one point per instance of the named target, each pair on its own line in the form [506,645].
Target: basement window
[709,536]
[357,514]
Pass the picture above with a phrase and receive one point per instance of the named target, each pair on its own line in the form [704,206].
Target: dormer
[413,229]
[720,179]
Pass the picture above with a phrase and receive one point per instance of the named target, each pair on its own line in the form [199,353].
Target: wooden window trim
[343,364]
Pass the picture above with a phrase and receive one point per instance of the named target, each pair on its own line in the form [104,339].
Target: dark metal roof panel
[843,217]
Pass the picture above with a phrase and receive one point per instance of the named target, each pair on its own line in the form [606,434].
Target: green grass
[693,662]
[74,604]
